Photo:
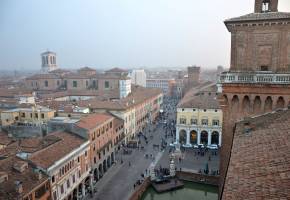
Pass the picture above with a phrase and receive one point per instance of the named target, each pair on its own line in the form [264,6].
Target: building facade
[34,115]
[138,77]
[100,130]
[166,85]
[199,119]
[258,80]
[67,163]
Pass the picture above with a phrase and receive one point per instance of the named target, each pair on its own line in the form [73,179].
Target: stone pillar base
[187,145]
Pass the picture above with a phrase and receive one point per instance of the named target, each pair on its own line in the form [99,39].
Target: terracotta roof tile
[93,120]
[260,16]
[260,161]
[48,156]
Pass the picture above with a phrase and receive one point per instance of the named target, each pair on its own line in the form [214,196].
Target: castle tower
[193,75]
[48,59]
[259,77]
[266,6]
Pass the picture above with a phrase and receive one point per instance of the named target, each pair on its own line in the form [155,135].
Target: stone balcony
[254,78]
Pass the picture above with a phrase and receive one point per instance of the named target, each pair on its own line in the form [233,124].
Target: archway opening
[268,104]
[280,103]
[182,137]
[235,106]
[215,137]
[96,174]
[204,137]
[100,170]
[246,105]
[104,166]
[257,105]
[193,137]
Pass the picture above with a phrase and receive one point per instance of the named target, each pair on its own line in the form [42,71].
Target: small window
[52,179]
[61,189]
[46,83]
[204,122]
[193,121]
[182,109]
[86,153]
[264,68]
[74,178]
[42,115]
[215,122]
[204,110]
[182,120]
[75,84]
[68,183]
[78,159]
[107,84]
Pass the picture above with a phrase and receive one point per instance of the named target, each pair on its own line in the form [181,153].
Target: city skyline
[106,34]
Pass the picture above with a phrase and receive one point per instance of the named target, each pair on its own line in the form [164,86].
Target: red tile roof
[93,120]
[56,151]
[29,179]
[259,166]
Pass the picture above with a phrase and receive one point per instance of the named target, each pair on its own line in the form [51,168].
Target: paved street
[118,182]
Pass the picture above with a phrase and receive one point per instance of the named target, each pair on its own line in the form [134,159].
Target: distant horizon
[130,34]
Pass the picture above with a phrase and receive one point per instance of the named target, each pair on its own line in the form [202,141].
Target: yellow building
[199,118]
[34,115]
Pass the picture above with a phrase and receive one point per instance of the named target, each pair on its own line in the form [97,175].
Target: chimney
[38,174]
[18,187]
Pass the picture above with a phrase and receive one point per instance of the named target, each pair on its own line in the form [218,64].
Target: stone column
[188,138]
[209,138]
[198,137]
[220,138]
[172,168]
[78,192]
[91,181]
[177,136]
[83,189]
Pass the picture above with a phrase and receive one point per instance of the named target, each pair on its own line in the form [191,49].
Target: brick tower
[259,77]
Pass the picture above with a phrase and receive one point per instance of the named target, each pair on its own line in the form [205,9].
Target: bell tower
[266,6]
[259,77]
[48,63]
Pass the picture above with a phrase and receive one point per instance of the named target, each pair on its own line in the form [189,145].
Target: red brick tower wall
[258,47]
[259,5]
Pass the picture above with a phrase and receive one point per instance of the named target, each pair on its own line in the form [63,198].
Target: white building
[48,59]
[164,84]
[124,87]
[138,77]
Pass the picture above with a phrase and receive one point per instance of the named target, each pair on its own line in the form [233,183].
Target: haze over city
[127,33]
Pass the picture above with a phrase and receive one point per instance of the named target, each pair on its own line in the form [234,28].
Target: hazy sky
[123,33]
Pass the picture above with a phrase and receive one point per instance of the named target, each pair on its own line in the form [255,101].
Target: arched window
[266,6]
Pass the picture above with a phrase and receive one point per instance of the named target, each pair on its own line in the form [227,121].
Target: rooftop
[260,162]
[66,143]
[138,95]
[260,17]
[29,178]
[93,120]
[200,97]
